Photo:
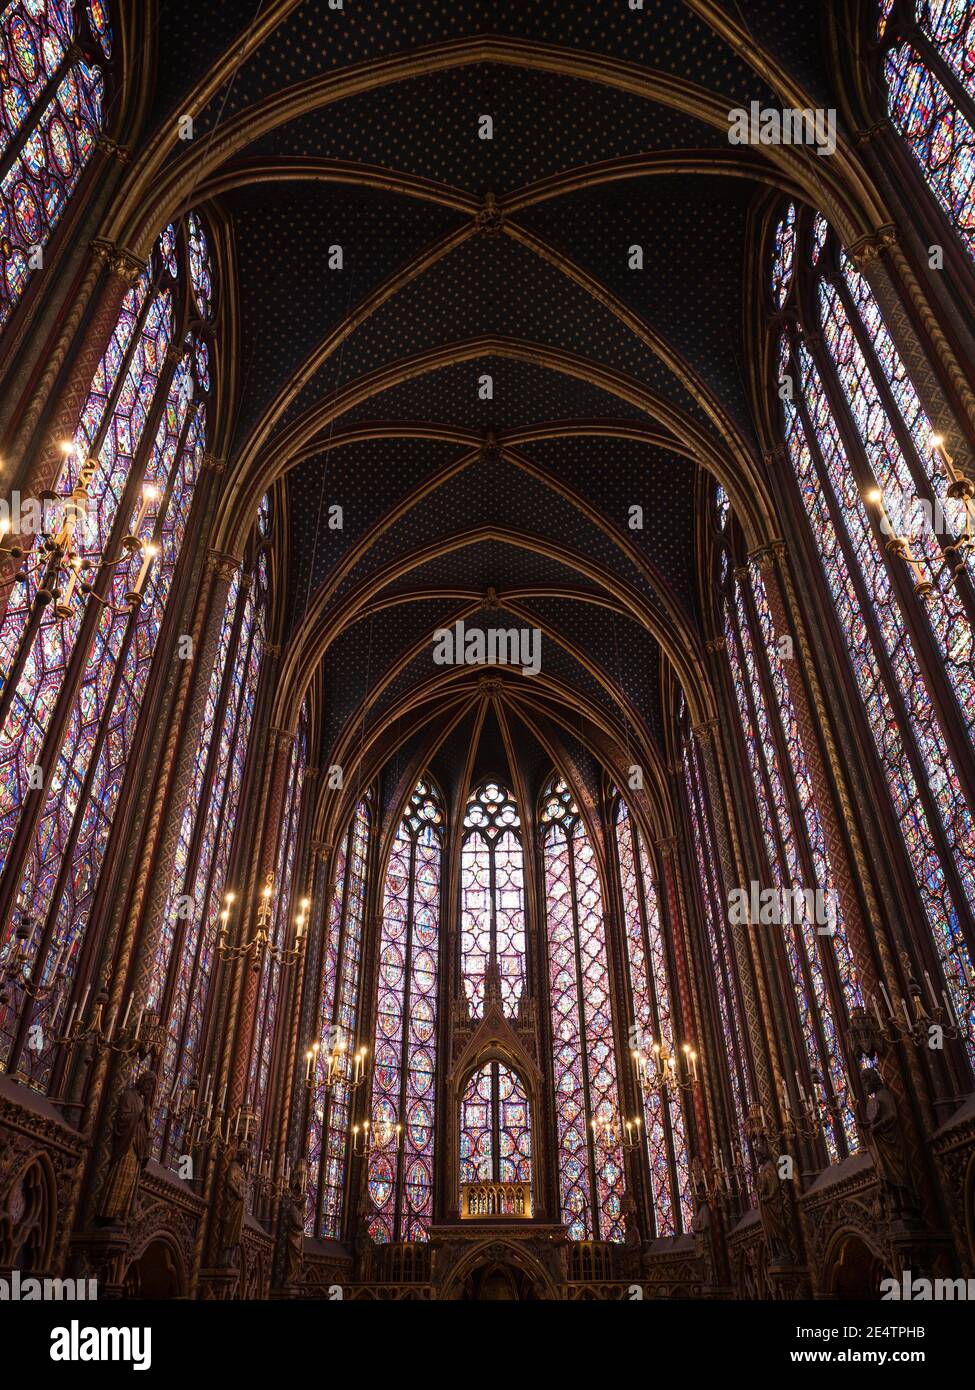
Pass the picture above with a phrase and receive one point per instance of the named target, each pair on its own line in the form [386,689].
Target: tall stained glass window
[929,71]
[492,898]
[328,1144]
[809,911]
[650,999]
[286,908]
[723,984]
[65,743]
[52,92]
[873,485]
[181,979]
[402,1109]
[587,1108]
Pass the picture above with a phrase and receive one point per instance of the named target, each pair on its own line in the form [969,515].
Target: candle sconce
[337,1064]
[625,1134]
[63,573]
[379,1138]
[15,969]
[657,1067]
[900,545]
[960,489]
[260,945]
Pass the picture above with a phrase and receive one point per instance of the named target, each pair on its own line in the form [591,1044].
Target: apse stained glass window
[402,1108]
[492,898]
[652,1029]
[51,100]
[929,69]
[587,1108]
[846,499]
[495,1127]
[336,1067]
[143,425]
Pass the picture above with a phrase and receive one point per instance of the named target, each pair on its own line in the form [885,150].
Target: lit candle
[148,555]
[149,495]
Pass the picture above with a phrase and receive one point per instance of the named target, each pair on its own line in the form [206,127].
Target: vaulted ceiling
[508,258]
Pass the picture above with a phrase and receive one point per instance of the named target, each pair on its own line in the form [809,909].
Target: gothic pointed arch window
[182,973]
[723,984]
[652,1025]
[52,97]
[495,1127]
[77,642]
[875,484]
[806,906]
[338,1064]
[587,1101]
[492,897]
[403,1101]
[287,909]
[928,55]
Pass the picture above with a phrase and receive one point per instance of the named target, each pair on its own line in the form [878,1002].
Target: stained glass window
[495,1127]
[651,1029]
[142,429]
[336,1065]
[286,908]
[51,97]
[492,898]
[402,1109]
[723,983]
[853,503]
[929,69]
[808,910]
[587,1108]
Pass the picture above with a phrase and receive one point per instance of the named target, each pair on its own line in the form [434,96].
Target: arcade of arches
[487,574]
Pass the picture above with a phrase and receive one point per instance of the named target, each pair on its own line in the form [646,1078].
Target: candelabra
[260,946]
[900,545]
[269,1187]
[382,1137]
[657,1067]
[15,972]
[206,1123]
[62,571]
[625,1134]
[143,1038]
[336,1067]
[960,489]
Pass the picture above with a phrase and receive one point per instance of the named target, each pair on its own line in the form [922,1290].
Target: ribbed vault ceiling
[466,258]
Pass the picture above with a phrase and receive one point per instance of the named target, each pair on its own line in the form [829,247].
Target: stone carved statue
[232,1217]
[887,1147]
[293,1225]
[131,1131]
[773,1203]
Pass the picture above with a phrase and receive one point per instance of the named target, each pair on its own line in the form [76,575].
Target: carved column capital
[113,149]
[213,462]
[122,264]
[765,556]
[705,731]
[321,849]
[714,644]
[871,247]
[221,564]
[282,738]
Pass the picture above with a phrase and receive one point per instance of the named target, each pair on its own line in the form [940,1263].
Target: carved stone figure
[293,1225]
[773,1204]
[130,1150]
[232,1220]
[887,1147]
